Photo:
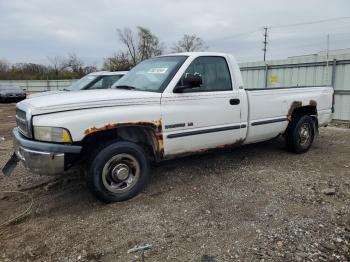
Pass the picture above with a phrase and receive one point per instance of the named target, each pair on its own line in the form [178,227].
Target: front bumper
[40,157]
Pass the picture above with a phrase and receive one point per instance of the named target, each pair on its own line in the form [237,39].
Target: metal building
[309,70]
[32,86]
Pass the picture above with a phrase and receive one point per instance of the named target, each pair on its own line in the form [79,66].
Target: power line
[315,40]
[299,24]
[278,26]
[266,28]
[312,22]
[234,36]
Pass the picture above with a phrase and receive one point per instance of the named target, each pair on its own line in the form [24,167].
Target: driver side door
[204,117]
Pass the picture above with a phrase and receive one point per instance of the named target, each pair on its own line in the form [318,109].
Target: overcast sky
[32,30]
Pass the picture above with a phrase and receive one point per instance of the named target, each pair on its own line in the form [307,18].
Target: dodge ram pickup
[165,107]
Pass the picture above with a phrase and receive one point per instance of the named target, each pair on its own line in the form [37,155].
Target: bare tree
[60,67]
[117,62]
[57,63]
[89,69]
[27,71]
[189,43]
[126,36]
[149,44]
[4,66]
[141,46]
[74,63]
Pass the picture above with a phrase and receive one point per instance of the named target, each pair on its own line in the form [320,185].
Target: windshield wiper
[126,87]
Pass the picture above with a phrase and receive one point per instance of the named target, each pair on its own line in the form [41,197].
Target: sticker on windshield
[157,70]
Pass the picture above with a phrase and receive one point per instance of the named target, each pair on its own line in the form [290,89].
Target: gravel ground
[254,203]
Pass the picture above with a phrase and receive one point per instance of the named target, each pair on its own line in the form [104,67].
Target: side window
[214,71]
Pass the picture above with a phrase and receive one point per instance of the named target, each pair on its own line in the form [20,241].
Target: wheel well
[309,110]
[304,110]
[143,136]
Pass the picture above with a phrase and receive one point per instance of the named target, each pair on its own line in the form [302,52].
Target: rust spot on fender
[297,104]
[293,106]
[313,103]
[155,125]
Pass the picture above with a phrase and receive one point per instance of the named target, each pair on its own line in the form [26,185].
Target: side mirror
[189,81]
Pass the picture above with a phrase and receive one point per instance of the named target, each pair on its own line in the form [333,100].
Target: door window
[214,71]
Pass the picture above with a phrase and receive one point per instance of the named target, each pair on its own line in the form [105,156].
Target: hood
[43,93]
[65,101]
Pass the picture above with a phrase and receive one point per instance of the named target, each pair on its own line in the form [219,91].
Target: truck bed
[269,109]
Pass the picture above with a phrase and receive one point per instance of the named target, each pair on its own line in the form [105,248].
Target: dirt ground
[254,203]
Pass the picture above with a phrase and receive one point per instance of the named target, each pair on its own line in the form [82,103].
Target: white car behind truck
[165,107]
[95,80]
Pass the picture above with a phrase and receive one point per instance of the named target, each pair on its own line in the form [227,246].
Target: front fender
[81,123]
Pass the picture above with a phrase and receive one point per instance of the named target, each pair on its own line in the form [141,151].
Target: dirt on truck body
[255,203]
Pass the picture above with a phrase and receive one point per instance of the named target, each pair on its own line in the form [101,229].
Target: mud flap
[10,165]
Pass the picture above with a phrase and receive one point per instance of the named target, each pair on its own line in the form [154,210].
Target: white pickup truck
[167,106]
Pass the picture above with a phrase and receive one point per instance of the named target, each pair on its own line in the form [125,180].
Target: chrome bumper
[40,162]
[41,157]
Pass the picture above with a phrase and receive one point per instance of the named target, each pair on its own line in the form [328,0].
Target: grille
[21,120]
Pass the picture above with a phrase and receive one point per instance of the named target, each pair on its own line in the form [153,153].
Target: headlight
[52,134]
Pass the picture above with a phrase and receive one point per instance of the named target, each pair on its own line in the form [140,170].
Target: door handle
[234,101]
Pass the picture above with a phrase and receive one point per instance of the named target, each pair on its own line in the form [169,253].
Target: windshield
[81,83]
[151,75]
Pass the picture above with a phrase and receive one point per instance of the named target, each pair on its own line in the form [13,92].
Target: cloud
[31,30]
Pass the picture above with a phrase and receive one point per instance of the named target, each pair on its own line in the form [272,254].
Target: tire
[300,134]
[118,172]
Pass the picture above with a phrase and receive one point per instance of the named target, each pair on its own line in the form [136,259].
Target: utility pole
[265,42]
[327,57]
[327,47]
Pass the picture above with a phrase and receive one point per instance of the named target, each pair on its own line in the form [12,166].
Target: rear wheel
[118,172]
[300,134]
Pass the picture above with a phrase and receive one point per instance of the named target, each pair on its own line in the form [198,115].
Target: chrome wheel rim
[305,134]
[120,173]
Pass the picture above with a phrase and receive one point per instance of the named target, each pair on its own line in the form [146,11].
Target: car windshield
[81,83]
[104,82]
[151,75]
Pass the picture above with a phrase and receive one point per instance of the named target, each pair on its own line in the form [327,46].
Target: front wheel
[300,134]
[118,172]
